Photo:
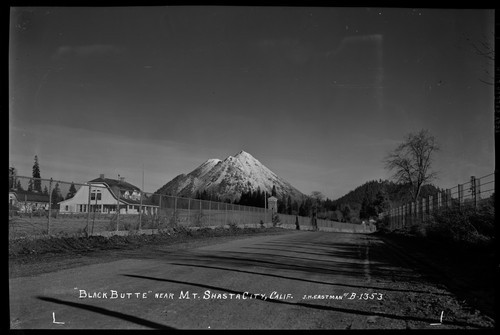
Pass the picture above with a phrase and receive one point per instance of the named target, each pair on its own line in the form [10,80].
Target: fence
[49,207]
[290,221]
[472,194]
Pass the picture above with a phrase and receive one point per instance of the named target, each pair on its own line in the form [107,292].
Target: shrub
[383,224]
[467,225]
[174,219]
[232,225]
[198,219]
[276,219]
[355,220]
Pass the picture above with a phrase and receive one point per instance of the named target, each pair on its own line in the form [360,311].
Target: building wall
[107,203]
[27,206]
[79,202]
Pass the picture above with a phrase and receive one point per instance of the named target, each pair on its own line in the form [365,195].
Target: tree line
[411,166]
[35,185]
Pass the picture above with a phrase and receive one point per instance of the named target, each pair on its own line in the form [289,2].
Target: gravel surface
[291,279]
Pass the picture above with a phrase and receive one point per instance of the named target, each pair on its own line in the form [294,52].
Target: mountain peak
[229,178]
[242,152]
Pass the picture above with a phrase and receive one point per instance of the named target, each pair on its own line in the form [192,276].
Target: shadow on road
[360,262]
[301,304]
[104,311]
[308,280]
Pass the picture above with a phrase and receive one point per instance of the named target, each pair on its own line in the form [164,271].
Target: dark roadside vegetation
[459,247]
[31,256]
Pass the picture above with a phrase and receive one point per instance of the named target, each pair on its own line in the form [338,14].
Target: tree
[289,205]
[45,190]
[368,210]
[486,49]
[317,196]
[411,161]
[381,202]
[12,177]
[282,205]
[71,192]
[56,196]
[346,213]
[37,183]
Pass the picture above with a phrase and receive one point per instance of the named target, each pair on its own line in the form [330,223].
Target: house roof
[145,201]
[30,196]
[121,184]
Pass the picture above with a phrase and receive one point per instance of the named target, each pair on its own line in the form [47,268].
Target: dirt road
[296,280]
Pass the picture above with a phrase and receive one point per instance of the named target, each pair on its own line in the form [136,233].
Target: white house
[106,195]
[28,202]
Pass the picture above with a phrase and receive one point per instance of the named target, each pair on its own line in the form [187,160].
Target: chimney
[122,179]
[101,176]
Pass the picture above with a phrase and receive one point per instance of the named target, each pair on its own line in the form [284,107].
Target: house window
[93,195]
[66,208]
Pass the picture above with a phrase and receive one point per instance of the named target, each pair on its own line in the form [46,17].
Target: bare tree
[485,48]
[317,196]
[411,161]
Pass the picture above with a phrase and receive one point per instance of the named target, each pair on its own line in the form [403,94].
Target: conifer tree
[37,183]
[71,192]
[288,207]
[56,196]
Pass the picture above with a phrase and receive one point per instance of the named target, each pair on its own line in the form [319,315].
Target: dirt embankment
[34,256]
[468,272]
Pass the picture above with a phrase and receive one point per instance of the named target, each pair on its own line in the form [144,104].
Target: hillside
[227,179]
[374,197]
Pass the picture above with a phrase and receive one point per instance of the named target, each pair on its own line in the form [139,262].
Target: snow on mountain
[228,178]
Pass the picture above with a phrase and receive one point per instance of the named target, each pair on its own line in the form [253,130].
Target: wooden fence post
[478,189]
[159,212]
[418,210]
[50,206]
[460,196]
[88,209]
[414,211]
[424,208]
[117,209]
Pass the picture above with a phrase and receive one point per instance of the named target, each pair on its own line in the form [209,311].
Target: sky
[319,95]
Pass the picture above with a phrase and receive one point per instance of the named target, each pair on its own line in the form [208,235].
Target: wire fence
[475,193]
[52,207]
[47,207]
